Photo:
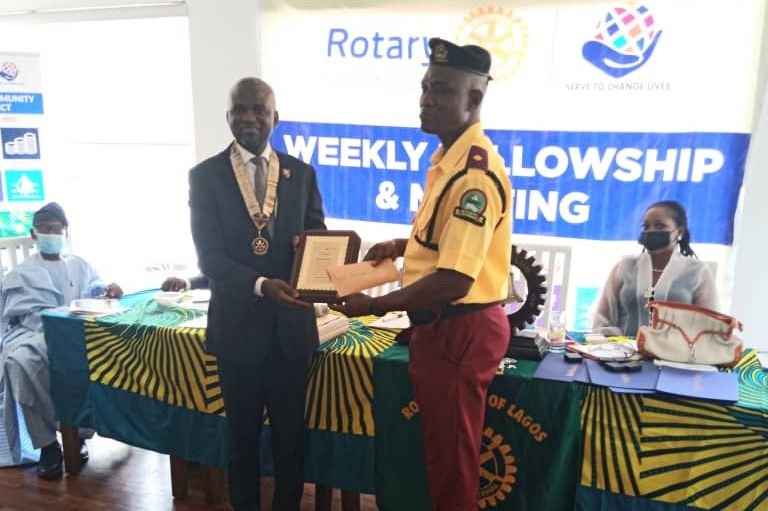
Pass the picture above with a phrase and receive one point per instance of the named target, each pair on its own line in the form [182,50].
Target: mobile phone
[572,358]
[623,367]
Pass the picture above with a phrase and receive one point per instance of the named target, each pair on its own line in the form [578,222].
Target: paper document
[353,278]
[762,357]
[198,322]
[331,326]
[195,300]
[320,253]
[95,307]
[606,351]
[687,367]
[392,320]
[198,295]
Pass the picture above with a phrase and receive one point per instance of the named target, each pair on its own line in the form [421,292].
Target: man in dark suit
[248,205]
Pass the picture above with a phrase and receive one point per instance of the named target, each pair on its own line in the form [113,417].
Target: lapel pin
[287,173]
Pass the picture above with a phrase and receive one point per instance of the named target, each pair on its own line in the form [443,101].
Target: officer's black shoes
[51,464]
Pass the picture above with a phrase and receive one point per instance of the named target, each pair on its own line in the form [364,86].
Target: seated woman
[667,269]
[45,280]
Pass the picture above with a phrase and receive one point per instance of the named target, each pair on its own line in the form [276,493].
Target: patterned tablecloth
[142,379]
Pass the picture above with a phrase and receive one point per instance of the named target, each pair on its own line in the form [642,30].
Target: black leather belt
[425,316]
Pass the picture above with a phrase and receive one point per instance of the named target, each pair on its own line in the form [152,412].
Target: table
[139,378]
[555,446]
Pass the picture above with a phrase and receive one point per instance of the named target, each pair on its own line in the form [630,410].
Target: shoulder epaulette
[478,158]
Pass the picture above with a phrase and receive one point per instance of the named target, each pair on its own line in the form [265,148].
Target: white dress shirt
[250,168]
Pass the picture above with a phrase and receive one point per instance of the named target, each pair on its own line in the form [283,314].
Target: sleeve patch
[472,206]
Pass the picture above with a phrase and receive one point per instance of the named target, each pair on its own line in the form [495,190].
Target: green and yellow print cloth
[340,388]
[145,352]
[684,452]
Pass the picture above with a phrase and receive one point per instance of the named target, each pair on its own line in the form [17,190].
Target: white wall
[118,137]
[751,236]
[224,47]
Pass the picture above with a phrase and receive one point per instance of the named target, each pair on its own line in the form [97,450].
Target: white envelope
[353,278]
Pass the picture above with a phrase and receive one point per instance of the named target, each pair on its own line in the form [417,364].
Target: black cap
[472,58]
[51,212]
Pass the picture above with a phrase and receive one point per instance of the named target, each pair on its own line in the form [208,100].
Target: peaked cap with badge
[471,58]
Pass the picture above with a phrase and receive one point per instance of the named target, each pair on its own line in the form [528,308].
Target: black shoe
[51,465]
[83,452]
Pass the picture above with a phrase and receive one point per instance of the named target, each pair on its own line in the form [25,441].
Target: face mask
[50,243]
[654,240]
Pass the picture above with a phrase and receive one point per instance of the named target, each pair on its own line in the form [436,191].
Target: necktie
[259,179]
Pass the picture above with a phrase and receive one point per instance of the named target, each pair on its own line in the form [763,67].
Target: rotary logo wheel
[498,471]
[536,295]
[499,31]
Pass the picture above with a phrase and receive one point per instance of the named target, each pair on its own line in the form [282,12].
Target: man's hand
[281,292]
[391,249]
[358,304]
[113,291]
[173,284]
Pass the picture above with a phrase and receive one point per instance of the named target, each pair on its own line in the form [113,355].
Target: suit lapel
[286,196]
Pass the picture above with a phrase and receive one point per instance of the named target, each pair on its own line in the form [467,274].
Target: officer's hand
[173,284]
[114,291]
[384,250]
[279,291]
[354,305]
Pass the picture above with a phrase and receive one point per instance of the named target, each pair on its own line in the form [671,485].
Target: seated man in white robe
[46,280]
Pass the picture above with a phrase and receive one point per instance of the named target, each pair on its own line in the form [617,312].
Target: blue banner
[21,103]
[590,185]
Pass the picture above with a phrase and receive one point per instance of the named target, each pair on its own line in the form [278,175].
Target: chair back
[13,251]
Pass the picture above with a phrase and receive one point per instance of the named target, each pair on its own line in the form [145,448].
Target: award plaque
[317,251]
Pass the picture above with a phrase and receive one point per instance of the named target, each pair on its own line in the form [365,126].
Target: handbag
[682,332]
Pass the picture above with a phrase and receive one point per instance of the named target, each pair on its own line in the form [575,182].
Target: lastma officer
[455,274]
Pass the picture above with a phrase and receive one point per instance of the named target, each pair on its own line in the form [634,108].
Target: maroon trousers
[452,363]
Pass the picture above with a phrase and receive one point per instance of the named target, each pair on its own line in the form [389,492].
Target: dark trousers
[452,363]
[280,385]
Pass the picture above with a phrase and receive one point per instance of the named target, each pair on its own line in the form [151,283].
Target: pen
[393,317]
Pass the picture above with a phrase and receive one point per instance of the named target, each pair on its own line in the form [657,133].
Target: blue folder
[554,367]
[700,384]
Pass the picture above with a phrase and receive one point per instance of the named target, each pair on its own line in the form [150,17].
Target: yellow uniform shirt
[471,230]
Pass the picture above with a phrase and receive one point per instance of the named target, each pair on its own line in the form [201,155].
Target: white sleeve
[606,319]
[257,286]
[705,292]
[92,283]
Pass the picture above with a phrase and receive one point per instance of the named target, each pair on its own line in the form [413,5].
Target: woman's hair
[677,211]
